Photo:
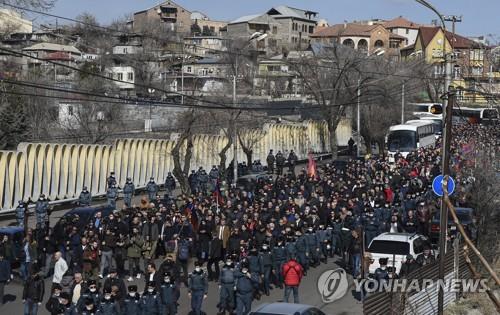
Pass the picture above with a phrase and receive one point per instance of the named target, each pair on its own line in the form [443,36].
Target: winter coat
[292,273]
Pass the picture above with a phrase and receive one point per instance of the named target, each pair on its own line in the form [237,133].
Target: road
[308,294]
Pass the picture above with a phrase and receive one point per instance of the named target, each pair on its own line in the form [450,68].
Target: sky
[480,17]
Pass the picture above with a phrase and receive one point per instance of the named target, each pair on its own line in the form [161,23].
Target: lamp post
[445,156]
[257,36]
[149,122]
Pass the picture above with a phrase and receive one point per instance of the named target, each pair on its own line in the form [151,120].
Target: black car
[83,216]
[466,216]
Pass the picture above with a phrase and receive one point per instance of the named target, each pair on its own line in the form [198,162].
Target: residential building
[168,15]
[12,22]
[201,24]
[372,39]
[403,27]
[47,54]
[123,73]
[242,29]
[203,46]
[296,25]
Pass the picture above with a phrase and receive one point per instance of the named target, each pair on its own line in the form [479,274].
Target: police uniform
[168,297]
[227,283]
[107,307]
[128,192]
[132,304]
[85,198]
[169,184]
[152,189]
[111,195]
[150,302]
[41,208]
[198,287]
[371,226]
[267,263]
[313,247]
[244,293]
[302,251]
[279,256]
[20,213]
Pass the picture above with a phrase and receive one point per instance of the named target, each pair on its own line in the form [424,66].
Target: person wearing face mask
[108,306]
[41,209]
[197,288]
[381,274]
[52,305]
[244,288]
[152,189]
[313,247]
[150,302]
[279,256]
[226,287]
[256,268]
[371,226]
[85,198]
[214,256]
[91,293]
[65,306]
[302,250]
[266,257]
[128,192]
[89,309]
[168,296]
[132,302]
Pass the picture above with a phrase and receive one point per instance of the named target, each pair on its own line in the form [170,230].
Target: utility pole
[358,144]
[235,132]
[182,76]
[403,104]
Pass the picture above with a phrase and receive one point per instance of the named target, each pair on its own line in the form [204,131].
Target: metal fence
[420,302]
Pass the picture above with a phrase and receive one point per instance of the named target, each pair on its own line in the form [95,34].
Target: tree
[32,4]
[14,125]
[330,76]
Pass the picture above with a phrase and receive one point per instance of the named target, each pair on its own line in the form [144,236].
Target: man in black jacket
[33,292]
[408,267]
[214,256]
[5,273]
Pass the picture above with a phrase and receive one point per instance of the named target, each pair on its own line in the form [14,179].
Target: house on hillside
[167,15]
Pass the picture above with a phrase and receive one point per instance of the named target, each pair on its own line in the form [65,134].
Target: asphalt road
[308,294]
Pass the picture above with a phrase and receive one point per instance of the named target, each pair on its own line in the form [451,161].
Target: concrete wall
[61,170]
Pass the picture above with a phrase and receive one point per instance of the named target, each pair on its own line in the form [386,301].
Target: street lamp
[149,122]
[257,36]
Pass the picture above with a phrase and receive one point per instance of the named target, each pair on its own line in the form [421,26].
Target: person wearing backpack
[292,275]
[183,258]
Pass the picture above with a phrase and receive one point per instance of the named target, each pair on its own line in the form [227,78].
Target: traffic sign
[438,188]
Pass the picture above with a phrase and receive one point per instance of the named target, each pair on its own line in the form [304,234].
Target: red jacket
[292,273]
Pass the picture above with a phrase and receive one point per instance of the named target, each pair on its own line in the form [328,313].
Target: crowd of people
[248,241]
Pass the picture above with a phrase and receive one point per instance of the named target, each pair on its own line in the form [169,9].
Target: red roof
[460,42]
[349,29]
[59,55]
[400,22]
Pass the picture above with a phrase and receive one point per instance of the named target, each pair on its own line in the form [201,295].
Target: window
[125,50]
[456,72]
[119,76]
[389,247]
[189,69]
[70,110]
[311,29]
[275,30]
[379,43]
[130,76]
[407,31]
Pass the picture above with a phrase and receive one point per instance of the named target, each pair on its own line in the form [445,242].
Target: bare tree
[32,4]
[330,78]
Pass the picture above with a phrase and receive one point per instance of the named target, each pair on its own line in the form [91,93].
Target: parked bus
[410,136]
[426,108]
[476,115]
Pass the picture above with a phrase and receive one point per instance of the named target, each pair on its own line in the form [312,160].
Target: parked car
[286,309]
[395,247]
[467,218]
[85,214]
[16,235]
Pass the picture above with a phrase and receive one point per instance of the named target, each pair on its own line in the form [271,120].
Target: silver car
[286,309]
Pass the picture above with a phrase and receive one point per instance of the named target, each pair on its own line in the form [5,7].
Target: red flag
[311,166]
[217,194]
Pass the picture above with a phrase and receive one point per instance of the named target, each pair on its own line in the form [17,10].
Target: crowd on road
[248,240]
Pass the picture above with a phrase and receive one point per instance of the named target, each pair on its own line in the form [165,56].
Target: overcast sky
[480,17]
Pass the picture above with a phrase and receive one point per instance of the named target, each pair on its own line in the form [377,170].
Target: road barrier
[60,170]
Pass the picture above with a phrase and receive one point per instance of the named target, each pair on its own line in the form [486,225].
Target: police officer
[150,302]
[202,180]
[170,184]
[266,257]
[279,256]
[214,176]
[324,237]
[302,250]
[111,179]
[132,302]
[292,160]
[41,208]
[168,296]
[244,291]
[20,213]
[85,198]
[152,189]
[128,192]
[313,246]
[111,195]
[371,226]
[108,306]
[381,274]
[291,247]
[256,269]
[193,182]
[92,293]
[227,282]
[197,288]
[280,162]
[270,162]
[89,308]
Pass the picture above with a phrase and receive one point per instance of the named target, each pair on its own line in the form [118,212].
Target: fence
[61,170]
[419,302]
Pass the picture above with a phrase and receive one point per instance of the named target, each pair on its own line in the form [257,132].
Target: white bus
[476,115]
[410,136]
